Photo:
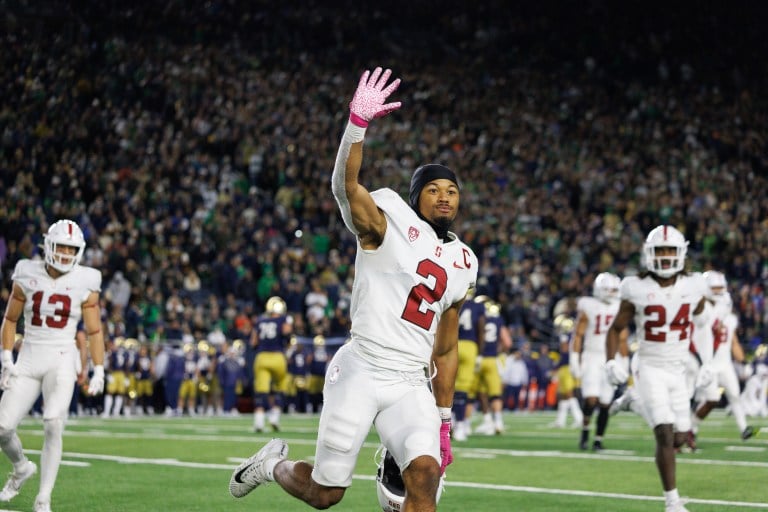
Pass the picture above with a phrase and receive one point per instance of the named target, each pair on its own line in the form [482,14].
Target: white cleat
[486,429]
[676,507]
[42,506]
[16,479]
[459,433]
[252,473]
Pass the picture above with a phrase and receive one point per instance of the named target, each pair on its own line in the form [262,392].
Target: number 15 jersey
[664,316]
[403,287]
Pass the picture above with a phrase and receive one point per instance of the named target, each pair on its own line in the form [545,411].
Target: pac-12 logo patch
[413,234]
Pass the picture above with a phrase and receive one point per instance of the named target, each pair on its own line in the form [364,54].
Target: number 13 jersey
[402,287]
[53,306]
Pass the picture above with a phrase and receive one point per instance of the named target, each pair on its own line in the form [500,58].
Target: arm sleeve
[352,134]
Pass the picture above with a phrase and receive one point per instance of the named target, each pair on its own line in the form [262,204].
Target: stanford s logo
[413,234]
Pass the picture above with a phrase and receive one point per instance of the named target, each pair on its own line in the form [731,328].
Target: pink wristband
[357,120]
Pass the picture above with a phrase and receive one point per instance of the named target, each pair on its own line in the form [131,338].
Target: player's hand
[96,384]
[446,455]
[574,365]
[705,376]
[9,370]
[368,101]
[616,372]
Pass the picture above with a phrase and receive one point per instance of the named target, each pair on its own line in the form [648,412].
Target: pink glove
[446,455]
[368,101]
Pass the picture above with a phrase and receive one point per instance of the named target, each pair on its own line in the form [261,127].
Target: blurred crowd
[194,142]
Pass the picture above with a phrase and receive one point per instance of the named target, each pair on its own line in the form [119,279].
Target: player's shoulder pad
[26,269]
[386,199]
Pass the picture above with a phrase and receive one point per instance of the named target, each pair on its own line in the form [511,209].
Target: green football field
[184,464]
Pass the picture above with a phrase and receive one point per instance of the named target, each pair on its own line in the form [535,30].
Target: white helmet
[606,287]
[64,232]
[389,482]
[715,279]
[276,306]
[665,236]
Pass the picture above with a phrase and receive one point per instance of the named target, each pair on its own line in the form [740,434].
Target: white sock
[118,404]
[562,412]
[258,420]
[108,399]
[50,457]
[671,497]
[738,414]
[578,416]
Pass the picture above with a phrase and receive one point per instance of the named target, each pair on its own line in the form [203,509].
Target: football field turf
[184,464]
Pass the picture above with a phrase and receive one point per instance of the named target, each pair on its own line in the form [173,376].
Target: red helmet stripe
[69,228]
[665,233]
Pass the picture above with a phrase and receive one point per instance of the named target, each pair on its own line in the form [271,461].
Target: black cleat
[597,446]
[583,445]
[749,432]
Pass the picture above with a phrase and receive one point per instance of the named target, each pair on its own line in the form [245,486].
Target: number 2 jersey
[664,316]
[53,306]
[402,287]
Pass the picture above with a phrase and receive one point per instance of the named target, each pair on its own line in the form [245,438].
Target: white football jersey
[664,316]
[54,306]
[402,287]
[599,316]
[704,339]
[723,351]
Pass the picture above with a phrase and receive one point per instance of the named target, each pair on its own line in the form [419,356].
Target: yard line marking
[467,452]
[571,492]
[733,448]
[448,483]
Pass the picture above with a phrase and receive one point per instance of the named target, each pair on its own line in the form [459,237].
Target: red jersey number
[422,292]
[657,319]
[60,315]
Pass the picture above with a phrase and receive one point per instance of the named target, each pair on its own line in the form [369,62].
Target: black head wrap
[421,177]
[424,175]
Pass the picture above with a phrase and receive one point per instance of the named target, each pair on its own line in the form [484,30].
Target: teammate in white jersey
[53,295]
[664,302]
[719,347]
[411,277]
[587,358]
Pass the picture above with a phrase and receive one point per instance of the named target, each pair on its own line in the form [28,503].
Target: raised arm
[359,211]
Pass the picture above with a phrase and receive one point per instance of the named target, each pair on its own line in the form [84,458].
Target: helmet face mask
[606,287]
[61,234]
[664,251]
